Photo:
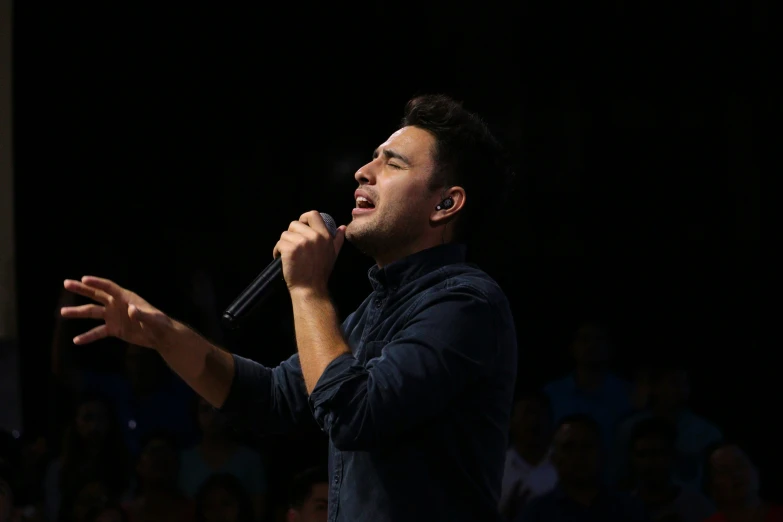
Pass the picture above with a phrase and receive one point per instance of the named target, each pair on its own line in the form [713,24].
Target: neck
[589,377]
[582,493]
[387,258]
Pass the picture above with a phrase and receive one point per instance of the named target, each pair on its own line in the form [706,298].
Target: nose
[365,175]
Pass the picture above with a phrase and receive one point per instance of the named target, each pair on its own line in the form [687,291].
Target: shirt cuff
[335,373]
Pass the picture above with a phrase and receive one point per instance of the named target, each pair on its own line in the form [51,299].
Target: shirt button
[378,303]
[336,480]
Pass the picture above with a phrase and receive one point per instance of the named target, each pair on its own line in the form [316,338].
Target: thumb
[339,239]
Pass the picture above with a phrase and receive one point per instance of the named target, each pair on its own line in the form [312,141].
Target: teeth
[363,199]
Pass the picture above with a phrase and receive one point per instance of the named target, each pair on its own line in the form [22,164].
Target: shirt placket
[335,482]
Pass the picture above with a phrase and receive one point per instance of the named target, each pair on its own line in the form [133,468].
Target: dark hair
[654,427]
[231,484]
[466,154]
[302,485]
[583,419]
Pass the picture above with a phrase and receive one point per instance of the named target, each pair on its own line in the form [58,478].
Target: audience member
[222,498]
[92,448]
[85,494]
[591,389]
[309,496]
[218,452]
[580,495]
[669,394]
[159,497]
[148,398]
[733,483]
[652,456]
[109,512]
[528,471]
[8,511]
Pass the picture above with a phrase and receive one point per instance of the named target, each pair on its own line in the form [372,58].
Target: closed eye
[392,165]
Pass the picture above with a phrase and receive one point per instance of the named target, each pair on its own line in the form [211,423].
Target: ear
[445,215]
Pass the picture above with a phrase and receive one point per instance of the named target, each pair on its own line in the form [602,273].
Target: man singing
[415,388]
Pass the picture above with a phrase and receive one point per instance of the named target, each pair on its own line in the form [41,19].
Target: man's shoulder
[469,279]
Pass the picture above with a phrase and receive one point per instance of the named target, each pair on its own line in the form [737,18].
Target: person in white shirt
[528,471]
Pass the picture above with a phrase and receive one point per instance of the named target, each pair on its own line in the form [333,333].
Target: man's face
[158,463]
[672,389]
[396,182]
[652,461]
[577,454]
[220,506]
[92,422]
[315,507]
[590,346]
[734,477]
[531,421]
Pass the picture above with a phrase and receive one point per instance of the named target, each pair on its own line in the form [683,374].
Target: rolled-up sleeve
[449,341]
[267,400]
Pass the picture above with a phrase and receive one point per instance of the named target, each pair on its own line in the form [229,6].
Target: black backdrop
[151,140]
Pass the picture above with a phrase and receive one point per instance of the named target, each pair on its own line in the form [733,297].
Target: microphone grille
[329,222]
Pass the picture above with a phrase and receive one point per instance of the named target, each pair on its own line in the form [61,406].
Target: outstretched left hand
[308,253]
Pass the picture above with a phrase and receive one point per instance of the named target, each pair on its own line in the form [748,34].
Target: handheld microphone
[262,286]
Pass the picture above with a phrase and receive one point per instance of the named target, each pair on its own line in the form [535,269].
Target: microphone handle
[253,295]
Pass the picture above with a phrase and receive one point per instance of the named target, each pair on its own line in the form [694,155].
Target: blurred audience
[148,398]
[652,457]
[218,452]
[309,496]
[591,388]
[83,496]
[732,480]
[108,512]
[92,448]
[8,511]
[581,495]
[222,498]
[669,395]
[528,471]
[158,496]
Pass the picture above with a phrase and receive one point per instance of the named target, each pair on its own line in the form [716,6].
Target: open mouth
[364,203]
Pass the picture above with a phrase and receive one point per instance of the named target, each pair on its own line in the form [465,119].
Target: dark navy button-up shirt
[417,414]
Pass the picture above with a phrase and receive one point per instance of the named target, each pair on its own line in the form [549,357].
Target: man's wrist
[308,294]
[172,338]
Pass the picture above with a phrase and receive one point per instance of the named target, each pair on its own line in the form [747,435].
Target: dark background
[151,140]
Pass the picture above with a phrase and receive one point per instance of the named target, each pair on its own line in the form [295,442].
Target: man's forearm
[318,336]
[202,365]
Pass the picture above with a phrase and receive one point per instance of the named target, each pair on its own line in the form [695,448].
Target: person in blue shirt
[581,494]
[415,389]
[591,388]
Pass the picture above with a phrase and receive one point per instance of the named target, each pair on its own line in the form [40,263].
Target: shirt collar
[415,265]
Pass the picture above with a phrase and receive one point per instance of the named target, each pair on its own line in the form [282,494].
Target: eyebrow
[389,153]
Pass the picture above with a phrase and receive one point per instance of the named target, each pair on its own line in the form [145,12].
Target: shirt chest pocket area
[370,350]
